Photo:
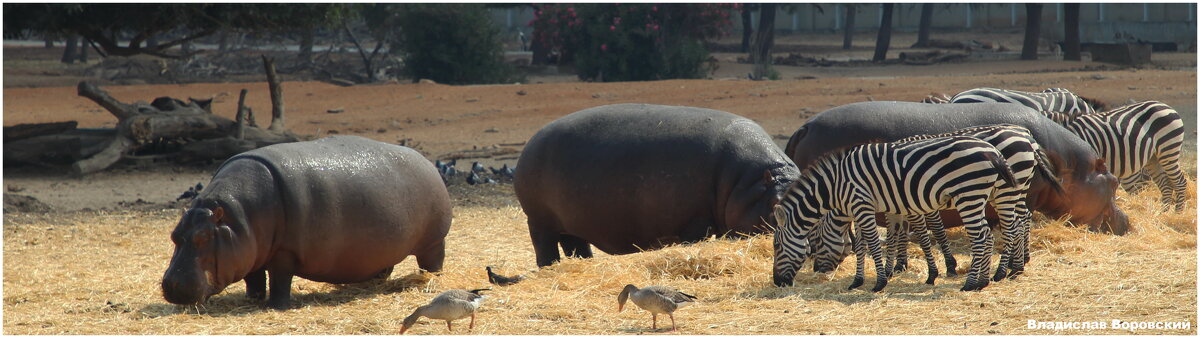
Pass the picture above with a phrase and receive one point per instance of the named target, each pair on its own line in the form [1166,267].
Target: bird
[508,171]
[474,179]
[448,306]
[192,192]
[478,168]
[496,171]
[656,299]
[502,280]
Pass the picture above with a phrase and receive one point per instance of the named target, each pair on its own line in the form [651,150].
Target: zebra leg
[1024,220]
[870,238]
[860,255]
[934,224]
[1009,213]
[981,244]
[918,227]
[895,245]
[1170,180]
[901,244]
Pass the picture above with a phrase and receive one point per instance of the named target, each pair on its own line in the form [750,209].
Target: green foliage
[450,43]
[632,42]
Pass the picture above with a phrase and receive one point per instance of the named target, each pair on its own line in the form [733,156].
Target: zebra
[1059,104]
[1025,158]
[1136,139]
[906,178]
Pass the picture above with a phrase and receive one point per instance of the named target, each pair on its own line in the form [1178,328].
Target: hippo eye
[201,237]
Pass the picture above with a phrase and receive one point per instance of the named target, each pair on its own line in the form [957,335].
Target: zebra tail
[1001,166]
[1043,167]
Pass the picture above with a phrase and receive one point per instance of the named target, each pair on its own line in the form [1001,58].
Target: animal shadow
[237,304]
[835,290]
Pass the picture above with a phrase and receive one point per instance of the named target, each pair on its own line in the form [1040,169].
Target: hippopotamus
[632,177]
[342,209]
[1090,187]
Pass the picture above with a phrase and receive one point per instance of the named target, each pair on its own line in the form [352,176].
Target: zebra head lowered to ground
[907,178]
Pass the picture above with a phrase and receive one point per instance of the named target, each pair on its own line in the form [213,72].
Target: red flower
[612,28]
[604,47]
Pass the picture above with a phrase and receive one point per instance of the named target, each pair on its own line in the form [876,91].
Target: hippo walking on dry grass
[631,177]
[342,209]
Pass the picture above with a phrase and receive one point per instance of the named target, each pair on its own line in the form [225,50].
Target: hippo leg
[545,244]
[431,259]
[575,247]
[256,284]
[280,271]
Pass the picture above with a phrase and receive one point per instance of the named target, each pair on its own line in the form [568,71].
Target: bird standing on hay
[502,280]
[449,306]
[656,299]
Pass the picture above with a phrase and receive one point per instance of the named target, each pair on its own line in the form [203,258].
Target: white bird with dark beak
[656,299]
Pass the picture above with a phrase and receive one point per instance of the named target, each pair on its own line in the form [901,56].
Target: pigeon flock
[477,175]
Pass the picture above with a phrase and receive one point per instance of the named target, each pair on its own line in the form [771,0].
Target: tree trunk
[848,30]
[306,45]
[83,50]
[885,34]
[923,30]
[70,52]
[276,95]
[747,28]
[1071,30]
[222,41]
[1033,30]
[763,40]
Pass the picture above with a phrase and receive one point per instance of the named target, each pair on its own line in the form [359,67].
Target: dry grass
[98,273]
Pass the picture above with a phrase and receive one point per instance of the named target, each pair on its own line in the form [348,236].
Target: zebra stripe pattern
[1026,159]
[905,178]
[1058,104]
[1141,137]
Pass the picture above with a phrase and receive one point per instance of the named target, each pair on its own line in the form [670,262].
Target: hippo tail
[1001,166]
[1043,168]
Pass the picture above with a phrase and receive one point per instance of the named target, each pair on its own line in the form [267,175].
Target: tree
[848,29]
[1033,28]
[106,24]
[923,30]
[69,53]
[763,41]
[885,34]
[449,43]
[747,26]
[1071,30]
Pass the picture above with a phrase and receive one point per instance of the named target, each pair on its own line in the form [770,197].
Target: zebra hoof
[858,281]
[974,285]
[933,275]
[1000,274]
[1014,273]
[879,285]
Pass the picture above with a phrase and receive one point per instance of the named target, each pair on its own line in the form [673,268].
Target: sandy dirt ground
[439,120]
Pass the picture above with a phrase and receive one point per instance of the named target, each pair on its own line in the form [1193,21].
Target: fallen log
[27,130]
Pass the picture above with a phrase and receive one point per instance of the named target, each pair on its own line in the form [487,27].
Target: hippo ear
[1100,165]
[218,213]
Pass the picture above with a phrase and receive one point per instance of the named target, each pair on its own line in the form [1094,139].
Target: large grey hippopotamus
[631,177]
[342,209]
[1090,187]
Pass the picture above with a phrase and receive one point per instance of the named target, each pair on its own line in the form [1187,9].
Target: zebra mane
[964,132]
[1096,104]
[1127,108]
[837,153]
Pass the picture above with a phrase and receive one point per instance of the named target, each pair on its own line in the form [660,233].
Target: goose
[656,299]
[449,306]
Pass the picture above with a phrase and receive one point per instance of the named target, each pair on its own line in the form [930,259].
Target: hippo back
[352,198]
[631,176]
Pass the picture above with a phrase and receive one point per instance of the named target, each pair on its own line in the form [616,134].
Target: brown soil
[439,120]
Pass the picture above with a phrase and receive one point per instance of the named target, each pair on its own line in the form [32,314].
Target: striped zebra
[1141,138]
[1059,104]
[907,178]
[1025,158]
